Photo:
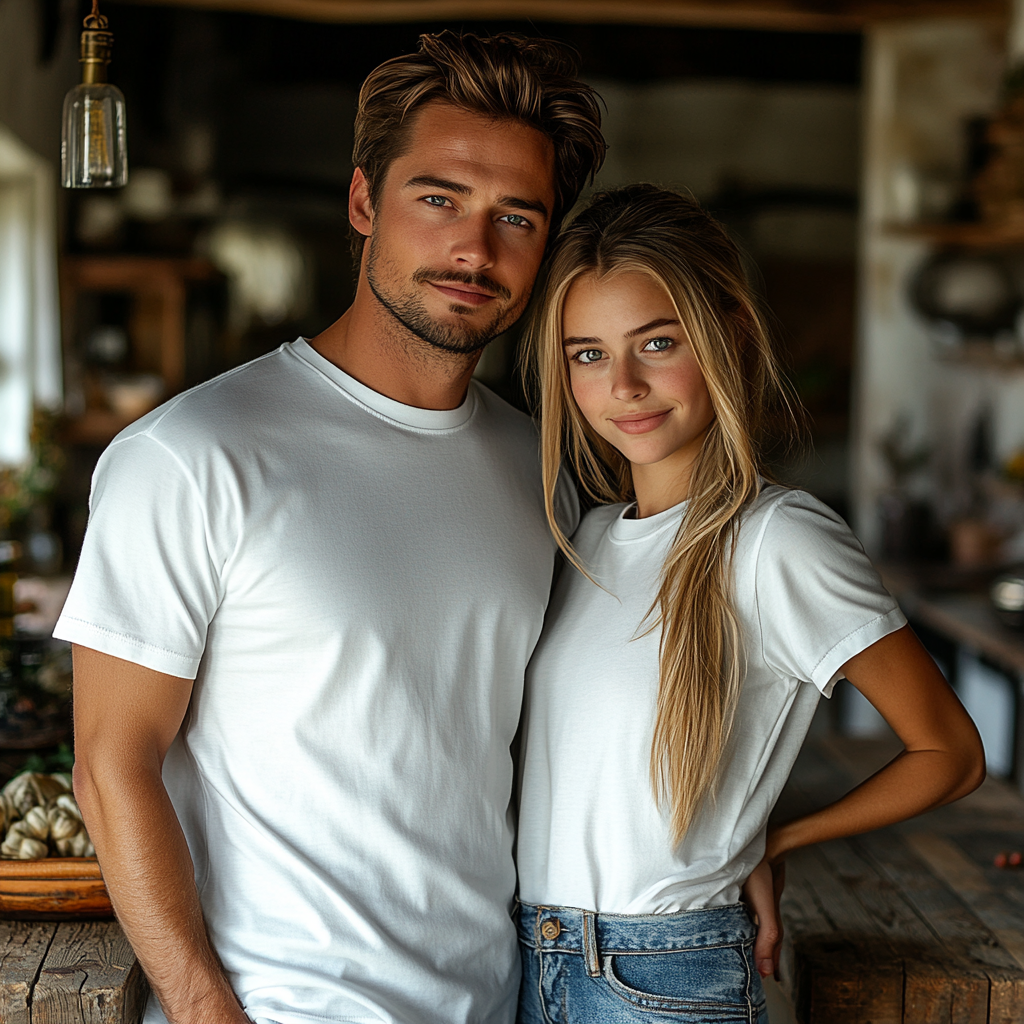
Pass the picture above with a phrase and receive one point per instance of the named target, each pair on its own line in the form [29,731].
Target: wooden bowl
[54,889]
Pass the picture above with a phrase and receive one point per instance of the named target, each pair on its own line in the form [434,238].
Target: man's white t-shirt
[356,586]
[590,832]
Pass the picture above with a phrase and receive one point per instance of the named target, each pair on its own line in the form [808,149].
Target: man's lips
[467,294]
[640,422]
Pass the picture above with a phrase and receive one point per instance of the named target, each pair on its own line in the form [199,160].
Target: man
[310,588]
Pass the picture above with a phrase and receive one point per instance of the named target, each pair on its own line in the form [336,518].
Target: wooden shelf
[158,288]
[983,354]
[965,236]
[94,426]
[787,15]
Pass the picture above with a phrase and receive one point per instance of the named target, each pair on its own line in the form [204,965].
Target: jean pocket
[692,985]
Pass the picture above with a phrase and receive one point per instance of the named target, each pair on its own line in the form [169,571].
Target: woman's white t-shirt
[590,832]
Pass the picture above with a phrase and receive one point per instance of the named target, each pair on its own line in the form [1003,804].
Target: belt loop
[590,944]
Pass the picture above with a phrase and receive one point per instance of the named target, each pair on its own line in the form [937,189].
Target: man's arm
[126,717]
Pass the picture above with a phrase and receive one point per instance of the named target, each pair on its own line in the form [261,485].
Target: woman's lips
[463,295]
[640,423]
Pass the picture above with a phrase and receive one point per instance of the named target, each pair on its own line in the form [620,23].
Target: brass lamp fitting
[97,47]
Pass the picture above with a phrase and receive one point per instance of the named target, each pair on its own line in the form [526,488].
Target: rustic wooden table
[81,972]
[909,925]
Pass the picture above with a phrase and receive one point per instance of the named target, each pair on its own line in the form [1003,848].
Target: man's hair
[505,77]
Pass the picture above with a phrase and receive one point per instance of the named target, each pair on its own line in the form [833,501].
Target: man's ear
[360,210]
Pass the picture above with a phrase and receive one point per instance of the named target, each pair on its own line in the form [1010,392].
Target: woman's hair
[644,229]
[505,77]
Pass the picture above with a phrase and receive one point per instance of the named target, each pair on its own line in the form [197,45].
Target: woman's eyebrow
[653,325]
[663,322]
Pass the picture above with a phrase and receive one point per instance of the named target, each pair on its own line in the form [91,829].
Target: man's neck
[368,343]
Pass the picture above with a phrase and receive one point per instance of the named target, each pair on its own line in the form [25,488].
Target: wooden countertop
[908,924]
[963,615]
[70,972]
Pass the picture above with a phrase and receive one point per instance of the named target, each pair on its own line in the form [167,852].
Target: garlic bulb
[7,814]
[37,822]
[23,843]
[78,845]
[33,789]
[62,824]
[66,802]
[67,832]
[38,812]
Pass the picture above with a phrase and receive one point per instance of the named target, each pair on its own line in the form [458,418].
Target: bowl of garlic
[48,866]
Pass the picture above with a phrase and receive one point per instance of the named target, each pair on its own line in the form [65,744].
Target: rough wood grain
[964,937]
[929,984]
[808,932]
[860,982]
[90,975]
[914,908]
[23,948]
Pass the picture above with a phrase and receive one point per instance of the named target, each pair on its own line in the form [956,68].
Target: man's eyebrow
[525,204]
[518,203]
[662,322]
[429,181]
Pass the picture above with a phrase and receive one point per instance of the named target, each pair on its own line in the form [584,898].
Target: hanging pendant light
[94,151]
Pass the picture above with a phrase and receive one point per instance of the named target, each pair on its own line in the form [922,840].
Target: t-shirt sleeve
[819,599]
[148,581]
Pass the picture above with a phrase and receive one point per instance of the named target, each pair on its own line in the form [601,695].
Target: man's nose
[473,248]
[628,383]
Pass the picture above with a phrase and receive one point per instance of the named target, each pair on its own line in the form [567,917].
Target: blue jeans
[691,968]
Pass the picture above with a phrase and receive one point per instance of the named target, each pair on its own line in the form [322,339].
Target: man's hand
[126,717]
[762,893]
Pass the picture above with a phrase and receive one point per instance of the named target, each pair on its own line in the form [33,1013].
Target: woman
[703,612]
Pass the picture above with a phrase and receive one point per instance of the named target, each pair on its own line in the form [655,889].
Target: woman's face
[633,372]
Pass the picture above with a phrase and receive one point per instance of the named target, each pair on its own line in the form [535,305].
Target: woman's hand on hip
[762,892]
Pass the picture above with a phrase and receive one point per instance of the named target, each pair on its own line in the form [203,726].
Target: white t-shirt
[590,832]
[356,586]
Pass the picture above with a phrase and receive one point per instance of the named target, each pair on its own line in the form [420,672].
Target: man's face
[460,225]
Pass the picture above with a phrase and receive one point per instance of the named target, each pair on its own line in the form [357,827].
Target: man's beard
[456,338]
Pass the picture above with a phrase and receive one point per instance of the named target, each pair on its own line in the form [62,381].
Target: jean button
[551,929]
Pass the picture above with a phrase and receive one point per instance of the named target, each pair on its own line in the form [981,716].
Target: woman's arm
[942,760]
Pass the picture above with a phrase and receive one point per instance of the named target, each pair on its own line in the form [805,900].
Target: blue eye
[517,220]
[435,200]
[588,355]
[659,345]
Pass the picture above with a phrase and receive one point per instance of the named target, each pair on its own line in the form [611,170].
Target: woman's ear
[360,209]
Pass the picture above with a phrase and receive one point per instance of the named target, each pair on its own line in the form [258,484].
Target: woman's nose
[628,384]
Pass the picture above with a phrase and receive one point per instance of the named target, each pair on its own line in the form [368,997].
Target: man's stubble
[452,338]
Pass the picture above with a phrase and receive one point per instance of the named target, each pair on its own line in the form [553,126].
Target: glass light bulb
[94,147]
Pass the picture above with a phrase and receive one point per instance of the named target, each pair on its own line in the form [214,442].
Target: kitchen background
[872,168]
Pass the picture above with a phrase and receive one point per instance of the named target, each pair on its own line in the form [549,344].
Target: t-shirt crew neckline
[626,529]
[406,415]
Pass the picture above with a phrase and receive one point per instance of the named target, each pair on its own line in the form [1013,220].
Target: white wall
[31,98]
[923,81]
[31,93]
[30,357]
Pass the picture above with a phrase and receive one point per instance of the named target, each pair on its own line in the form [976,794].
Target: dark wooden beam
[784,15]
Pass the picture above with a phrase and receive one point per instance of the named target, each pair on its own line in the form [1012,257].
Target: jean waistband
[571,930]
